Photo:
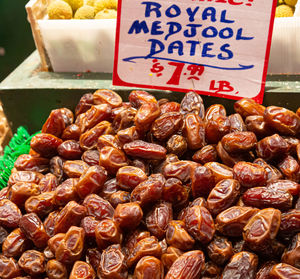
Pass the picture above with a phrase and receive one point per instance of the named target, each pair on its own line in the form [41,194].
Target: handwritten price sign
[213,47]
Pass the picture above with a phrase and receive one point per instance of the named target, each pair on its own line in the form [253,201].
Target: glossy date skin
[149,267]
[146,188]
[223,195]
[188,265]
[113,263]
[178,237]
[231,221]
[33,228]
[82,270]
[262,228]
[200,224]
[242,265]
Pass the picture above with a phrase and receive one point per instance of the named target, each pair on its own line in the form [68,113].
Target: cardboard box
[88,45]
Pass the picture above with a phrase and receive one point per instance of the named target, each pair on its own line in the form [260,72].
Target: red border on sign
[258,98]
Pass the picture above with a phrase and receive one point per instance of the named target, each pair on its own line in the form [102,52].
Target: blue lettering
[206,48]
[193,46]
[224,48]
[209,12]
[176,45]
[137,27]
[154,45]
[174,27]
[173,11]
[224,19]
[239,35]
[210,32]
[223,35]
[155,29]
[191,13]
[193,30]
[152,7]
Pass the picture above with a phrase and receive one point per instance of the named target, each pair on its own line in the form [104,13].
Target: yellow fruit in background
[291,2]
[284,11]
[59,10]
[105,4]
[75,4]
[280,2]
[89,2]
[85,12]
[106,14]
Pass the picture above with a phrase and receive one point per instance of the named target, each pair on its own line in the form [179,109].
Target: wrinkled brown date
[91,181]
[9,268]
[129,177]
[166,125]
[75,168]
[128,215]
[145,150]
[66,191]
[263,197]
[192,103]
[45,144]
[98,207]
[205,155]
[223,195]
[175,193]
[33,228]
[178,237]
[107,232]
[82,270]
[282,271]
[200,224]
[246,107]
[71,246]
[148,246]
[262,228]
[28,162]
[70,215]
[21,191]
[24,176]
[272,147]
[232,221]
[149,267]
[242,265]
[194,131]
[283,120]
[188,265]
[105,96]
[290,222]
[10,214]
[202,181]
[112,264]
[89,139]
[42,204]
[249,174]
[158,218]
[149,190]
[56,270]
[145,116]
[72,132]
[291,255]
[239,142]
[32,262]
[220,250]
[15,244]
[112,159]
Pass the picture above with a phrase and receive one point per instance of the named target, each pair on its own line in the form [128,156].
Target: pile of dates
[155,189]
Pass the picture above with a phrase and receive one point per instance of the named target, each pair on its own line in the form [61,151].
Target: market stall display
[285,8]
[160,188]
